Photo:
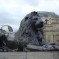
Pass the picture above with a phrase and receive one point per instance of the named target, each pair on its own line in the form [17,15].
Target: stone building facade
[51,31]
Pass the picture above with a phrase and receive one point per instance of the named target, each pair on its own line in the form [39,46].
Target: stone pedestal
[30,55]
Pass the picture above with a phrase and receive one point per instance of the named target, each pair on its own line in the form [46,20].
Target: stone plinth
[30,55]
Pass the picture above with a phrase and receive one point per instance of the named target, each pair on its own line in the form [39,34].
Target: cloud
[31,2]
[13,11]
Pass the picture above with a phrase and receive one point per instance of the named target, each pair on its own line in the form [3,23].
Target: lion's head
[36,21]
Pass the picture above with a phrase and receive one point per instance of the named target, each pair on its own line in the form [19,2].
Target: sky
[13,11]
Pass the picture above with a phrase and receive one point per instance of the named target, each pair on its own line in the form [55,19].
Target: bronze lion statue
[30,31]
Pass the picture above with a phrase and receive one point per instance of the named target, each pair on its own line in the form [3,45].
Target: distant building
[51,31]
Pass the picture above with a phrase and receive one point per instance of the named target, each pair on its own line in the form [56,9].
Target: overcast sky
[13,11]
